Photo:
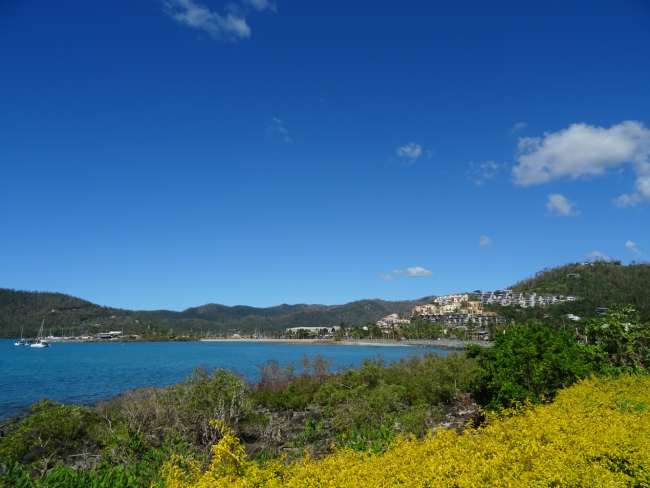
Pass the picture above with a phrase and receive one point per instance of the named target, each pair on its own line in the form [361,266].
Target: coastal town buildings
[468,314]
[391,322]
[449,304]
[457,311]
[508,298]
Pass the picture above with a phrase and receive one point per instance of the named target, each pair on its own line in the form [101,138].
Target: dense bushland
[596,433]
[528,363]
[532,362]
[366,408]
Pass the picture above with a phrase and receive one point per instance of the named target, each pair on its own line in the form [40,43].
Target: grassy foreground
[595,433]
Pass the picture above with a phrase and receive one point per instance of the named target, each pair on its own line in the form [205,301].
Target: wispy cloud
[518,127]
[633,248]
[277,128]
[410,152]
[642,192]
[583,150]
[484,241]
[481,173]
[260,5]
[561,206]
[410,272]
[230,25]
[417,271]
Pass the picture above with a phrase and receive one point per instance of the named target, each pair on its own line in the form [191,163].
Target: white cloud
[633,248]
[561,206]
[518,127]
[642,186]
[416,271]
[278,128]
[410,272]
[481,173]
[230,26]
[583,150]
[411,152]
[627,200]
[598,256]
[484,241]
[260,5]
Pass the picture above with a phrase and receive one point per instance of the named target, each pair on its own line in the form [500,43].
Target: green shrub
[528,363]
[50,434]
[619,342]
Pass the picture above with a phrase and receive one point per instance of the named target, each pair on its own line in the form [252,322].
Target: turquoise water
[87,373]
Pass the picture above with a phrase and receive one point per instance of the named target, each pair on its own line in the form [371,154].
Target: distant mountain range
[596,284]
[70,315]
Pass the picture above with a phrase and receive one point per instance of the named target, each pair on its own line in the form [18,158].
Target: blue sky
[164,154]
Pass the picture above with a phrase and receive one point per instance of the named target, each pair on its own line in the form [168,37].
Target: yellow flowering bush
[595,434]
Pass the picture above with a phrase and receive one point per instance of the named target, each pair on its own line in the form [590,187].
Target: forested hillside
[596,284]
[65,314]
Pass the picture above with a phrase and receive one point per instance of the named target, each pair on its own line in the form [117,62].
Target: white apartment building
[524,300]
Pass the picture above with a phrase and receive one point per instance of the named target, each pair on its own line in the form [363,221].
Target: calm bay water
[87,373]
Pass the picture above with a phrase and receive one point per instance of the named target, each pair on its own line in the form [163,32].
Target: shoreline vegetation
[467,419]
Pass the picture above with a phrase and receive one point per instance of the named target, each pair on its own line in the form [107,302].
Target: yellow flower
[596,433]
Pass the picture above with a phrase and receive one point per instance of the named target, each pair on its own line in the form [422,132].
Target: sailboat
[40,342]
[21,341]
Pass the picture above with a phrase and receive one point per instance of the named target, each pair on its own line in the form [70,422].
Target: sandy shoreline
[442,343]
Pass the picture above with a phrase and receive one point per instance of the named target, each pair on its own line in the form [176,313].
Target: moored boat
[22,341]
[40,341]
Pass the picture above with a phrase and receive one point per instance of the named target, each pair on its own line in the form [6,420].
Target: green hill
[596,284]
[65,314]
